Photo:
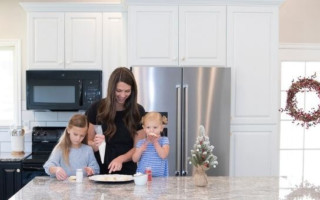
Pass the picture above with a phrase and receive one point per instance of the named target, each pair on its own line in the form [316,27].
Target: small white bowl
[140,179]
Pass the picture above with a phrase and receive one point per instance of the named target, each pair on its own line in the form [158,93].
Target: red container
[149,172]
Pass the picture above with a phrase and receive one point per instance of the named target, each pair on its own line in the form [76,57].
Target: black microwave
[62,90]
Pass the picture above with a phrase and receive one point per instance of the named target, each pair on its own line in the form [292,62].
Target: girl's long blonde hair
[64,143]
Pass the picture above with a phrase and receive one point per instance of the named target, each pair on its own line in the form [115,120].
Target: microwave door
[54,95]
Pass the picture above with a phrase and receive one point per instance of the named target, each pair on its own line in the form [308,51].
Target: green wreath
[310,118]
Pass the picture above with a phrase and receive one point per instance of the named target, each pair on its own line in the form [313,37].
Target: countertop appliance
[44,140]
[190,97]
[63,90]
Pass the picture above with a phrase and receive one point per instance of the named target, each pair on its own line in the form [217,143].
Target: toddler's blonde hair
[154,116]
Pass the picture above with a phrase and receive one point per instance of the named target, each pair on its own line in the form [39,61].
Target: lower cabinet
[10,178]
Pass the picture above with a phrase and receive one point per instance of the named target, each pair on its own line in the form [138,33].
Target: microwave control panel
[92,91]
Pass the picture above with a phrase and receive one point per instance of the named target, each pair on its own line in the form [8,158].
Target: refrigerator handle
[185,123]
[178,129]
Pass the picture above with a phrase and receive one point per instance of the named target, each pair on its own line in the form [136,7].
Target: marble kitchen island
[237,188]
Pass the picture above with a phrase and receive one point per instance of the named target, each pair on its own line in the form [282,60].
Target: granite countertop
[8,157]
[236,188]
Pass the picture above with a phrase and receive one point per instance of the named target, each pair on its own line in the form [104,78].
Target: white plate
[112,178]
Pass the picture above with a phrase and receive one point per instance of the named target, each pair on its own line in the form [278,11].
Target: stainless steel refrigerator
[189,97]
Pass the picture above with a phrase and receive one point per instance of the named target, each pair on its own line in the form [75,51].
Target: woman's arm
[91,135]
[116,164]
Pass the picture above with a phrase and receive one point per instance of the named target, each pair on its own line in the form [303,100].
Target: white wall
[299,21]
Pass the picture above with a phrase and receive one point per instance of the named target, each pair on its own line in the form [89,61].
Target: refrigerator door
[206,101]
[159,89]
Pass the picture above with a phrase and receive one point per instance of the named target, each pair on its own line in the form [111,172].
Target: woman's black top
[119,144]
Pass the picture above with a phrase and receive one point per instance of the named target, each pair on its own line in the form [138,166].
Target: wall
[299,21]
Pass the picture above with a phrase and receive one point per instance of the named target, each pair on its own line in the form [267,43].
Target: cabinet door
[45,40]
[83,40]
[114,44]
[202,35]
[153,35]
[11,179]
[252,55]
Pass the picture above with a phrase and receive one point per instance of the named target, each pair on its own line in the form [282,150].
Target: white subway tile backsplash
[27,115]
[28,146]
[5,136]
[33,124]
[6,146]
[65,116]
[61,124]
[28,137]
[45,116]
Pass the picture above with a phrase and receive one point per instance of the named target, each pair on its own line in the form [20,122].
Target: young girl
[72,153]
[154,149]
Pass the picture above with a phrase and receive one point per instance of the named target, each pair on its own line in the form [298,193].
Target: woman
[120,116]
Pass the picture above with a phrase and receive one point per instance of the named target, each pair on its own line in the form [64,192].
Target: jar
[17,140]
[79,175]
[148,171]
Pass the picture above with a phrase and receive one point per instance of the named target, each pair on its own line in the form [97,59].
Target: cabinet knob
[18,170]
[183,58]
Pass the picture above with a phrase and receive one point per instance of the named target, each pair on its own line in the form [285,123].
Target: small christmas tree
[201,154]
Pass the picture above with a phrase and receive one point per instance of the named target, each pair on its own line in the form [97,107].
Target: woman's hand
[116,164]
[98,139]
[60,174]
[89,171]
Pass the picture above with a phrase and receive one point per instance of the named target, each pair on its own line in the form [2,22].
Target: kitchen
[262,163]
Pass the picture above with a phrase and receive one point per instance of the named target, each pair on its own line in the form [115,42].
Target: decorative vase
[200,177]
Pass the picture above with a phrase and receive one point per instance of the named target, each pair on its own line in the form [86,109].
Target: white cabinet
[252,55]
[83,40]
[59,40]
[46,40]
[177,35]
[152,35]
[202,35]
[114,44]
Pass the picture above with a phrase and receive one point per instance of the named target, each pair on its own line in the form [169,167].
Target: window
[10,88]
[299,147]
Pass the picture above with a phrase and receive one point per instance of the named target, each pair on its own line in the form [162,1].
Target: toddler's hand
[143,146]
[61,174]
[89,171]
[153,138]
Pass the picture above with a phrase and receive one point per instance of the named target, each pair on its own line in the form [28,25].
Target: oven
[44,140]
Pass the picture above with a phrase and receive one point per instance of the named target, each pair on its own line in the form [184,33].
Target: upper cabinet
[177,35]
[253,58]
[83,40]
[46,40]
[60,40]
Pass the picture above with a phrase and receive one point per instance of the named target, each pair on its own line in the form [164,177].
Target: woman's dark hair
[107,109]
